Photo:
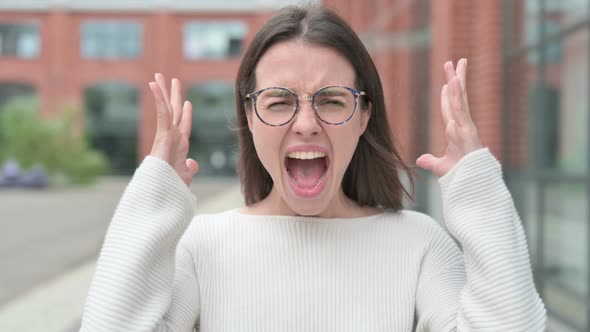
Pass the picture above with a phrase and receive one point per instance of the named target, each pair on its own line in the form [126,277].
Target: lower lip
[309,193]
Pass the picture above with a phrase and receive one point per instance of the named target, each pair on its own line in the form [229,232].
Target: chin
[308,210]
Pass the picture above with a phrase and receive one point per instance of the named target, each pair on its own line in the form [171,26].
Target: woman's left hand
[461,133]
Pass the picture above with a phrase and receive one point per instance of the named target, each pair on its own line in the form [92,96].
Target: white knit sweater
[160,269]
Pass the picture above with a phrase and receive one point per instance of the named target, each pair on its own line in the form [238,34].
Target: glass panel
[566,12]
[111,39]
[523,77]
[111,123]
[531,18]
[213,40]
[557,16]
[569,81]
[19,40]
[566,250]
[213,144]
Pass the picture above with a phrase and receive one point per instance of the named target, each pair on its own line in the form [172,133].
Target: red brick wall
[381,25]
[60,75]
[458,28]
[470,29]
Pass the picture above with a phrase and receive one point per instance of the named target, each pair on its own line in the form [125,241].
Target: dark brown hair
[372,177]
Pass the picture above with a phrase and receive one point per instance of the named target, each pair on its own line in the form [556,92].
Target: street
[46,232]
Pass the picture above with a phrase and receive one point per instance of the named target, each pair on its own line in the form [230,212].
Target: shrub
[56,144]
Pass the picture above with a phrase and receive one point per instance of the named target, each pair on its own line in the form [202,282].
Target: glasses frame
[356,93]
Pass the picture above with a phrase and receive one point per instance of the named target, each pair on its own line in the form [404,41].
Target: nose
[306,123]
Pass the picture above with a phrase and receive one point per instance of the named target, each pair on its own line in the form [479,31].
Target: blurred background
[76,118]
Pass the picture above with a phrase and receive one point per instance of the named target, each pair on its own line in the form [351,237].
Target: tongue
[306,173]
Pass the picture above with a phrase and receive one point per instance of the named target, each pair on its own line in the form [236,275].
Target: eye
[331,101]
[278,103]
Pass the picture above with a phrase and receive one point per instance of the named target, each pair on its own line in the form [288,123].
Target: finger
[444,104]
[427,162]
[449,71]
[162,112]
[193,166]
[187,119]
[458,105]
[176,101]
[161,80]
[462,73]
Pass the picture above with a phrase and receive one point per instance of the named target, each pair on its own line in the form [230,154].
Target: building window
[213,39]
[111,118]
[212,142]
[10,91]
[107,39]
[19,40]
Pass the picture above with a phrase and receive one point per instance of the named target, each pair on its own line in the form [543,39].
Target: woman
[322,244]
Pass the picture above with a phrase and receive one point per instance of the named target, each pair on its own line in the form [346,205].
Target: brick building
[100,56]
[528,83]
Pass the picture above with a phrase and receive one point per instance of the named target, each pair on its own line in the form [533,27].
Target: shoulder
[413,219]
[213,221]
[205,227]
[417,226]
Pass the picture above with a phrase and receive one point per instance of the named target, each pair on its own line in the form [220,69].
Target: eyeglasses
[277,106]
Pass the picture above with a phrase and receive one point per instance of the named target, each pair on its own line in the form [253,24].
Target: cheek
[344,144]
[267,141]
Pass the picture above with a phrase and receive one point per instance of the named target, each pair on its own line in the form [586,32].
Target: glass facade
[212,142]
[546,143]
[213,39]
[19,40]
[8,91]
[111,39]
[111,118]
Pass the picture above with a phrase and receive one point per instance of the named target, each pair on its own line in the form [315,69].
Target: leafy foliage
[56,144]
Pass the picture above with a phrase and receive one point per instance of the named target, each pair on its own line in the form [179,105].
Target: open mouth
[307,172]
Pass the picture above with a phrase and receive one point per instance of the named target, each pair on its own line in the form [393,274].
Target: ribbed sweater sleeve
[491,288]
[138,271]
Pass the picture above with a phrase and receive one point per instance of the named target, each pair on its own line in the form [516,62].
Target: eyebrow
[332,92]
[280,93]
[321,86]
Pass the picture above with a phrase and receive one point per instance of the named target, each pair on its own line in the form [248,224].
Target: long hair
[373,175]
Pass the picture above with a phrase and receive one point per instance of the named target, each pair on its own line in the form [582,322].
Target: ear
[365,117]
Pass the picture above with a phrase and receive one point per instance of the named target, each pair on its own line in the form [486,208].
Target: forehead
[302,66]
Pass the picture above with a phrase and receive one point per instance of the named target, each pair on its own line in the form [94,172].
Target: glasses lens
[335,104]
[276,106]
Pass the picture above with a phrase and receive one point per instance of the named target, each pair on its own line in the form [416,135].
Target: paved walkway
[49,244]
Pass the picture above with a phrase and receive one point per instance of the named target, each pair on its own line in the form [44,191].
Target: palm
[460,131]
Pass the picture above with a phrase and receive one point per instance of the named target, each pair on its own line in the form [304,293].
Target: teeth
[306,155]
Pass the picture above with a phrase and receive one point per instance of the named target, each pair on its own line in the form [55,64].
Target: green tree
[55,144]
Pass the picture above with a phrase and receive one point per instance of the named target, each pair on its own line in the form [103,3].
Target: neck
[340,206]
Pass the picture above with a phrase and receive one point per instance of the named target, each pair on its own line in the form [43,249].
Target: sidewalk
[56,305]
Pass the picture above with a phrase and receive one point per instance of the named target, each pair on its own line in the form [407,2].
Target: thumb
[426,161]
[193,166]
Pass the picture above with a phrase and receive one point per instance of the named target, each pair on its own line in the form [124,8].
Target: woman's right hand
[174,120]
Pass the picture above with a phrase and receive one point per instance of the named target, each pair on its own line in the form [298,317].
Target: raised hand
[461,133]
[174,120]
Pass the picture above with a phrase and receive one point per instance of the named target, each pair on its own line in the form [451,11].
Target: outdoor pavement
[50,240]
